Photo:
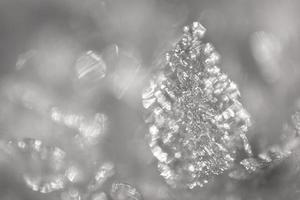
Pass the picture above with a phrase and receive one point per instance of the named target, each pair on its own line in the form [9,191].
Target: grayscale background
[259,45]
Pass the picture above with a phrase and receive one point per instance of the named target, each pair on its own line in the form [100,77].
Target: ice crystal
[265,161]
[195,117]
[104,172]
[24,58]
[296,122]
[32,97]
[99,196]
[124,191]
[71,194]
[45,185]
[43,166]
[124,69]
[272,156]
[74,174]
[89,128]
[90,67]
[266,49]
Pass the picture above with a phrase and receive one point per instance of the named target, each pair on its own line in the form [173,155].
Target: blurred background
[45,45]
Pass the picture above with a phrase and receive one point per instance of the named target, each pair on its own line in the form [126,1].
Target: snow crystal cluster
[195,117]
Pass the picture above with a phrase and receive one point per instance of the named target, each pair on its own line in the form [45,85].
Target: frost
[43,166]
[89,128]
[194,113]
[273,156]
[90,67]
[264,162]
[24,58]
[73,174]
[124,70]
[296,122]
[99,196]
[124,191]
[267,50]
[104,172]
[71,194]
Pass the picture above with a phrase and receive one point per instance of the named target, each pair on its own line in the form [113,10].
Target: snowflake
[196,120]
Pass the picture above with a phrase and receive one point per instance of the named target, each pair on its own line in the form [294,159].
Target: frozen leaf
[194,113]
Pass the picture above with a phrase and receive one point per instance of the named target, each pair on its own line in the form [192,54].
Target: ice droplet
[124,191]
[194,113]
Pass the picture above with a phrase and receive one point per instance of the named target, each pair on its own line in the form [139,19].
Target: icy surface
[194,113]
